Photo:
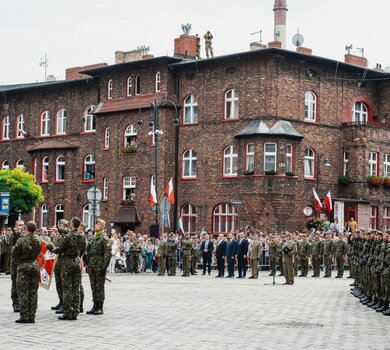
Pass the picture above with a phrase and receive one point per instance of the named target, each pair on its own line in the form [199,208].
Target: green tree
[25,194]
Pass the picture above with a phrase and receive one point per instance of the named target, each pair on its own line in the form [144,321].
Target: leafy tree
[25,194]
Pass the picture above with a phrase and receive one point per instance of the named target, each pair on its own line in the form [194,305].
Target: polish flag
[328,202]
[169,191]
[317,201]
[153,195]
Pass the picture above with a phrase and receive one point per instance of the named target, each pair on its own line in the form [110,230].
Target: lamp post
[325,164]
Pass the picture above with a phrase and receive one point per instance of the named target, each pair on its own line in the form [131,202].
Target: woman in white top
[115,252]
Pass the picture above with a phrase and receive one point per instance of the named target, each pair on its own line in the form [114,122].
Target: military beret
[100,221]
[63,222]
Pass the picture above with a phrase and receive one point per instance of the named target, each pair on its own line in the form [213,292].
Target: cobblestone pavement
[202,312]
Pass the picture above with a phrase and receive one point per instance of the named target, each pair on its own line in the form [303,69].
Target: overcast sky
[82,32]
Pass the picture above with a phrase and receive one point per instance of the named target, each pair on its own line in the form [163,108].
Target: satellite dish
[297,40]
[387,69]
[51,78]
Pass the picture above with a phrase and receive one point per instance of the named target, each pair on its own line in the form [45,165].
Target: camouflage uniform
[194,257]
[162,252]
[273,251]
[304,252]
[135,250]
[13,269]
[24,256]
[58,269]
[172,257]
[340,251]
[316,252]
[186,247]
[280,257]
[328,256]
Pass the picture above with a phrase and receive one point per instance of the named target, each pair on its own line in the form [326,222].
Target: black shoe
[60,311]
[209,273]
[353,284]
[239,277]
[280,274]
[99,308]
[67,318]
[23,320]
[229,276]
[58,306]
[203,273]
[90,312]
[81,309]
[249,278]
[16,309]
[338,277]
[386,312]
[32,320]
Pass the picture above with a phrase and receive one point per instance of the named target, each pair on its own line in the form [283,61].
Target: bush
[344,180]
[130,149]
[375,180]
[270,172]
[290,173]
[249,172]
[386,181]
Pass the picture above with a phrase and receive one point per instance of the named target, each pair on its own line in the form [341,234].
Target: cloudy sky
[77,33]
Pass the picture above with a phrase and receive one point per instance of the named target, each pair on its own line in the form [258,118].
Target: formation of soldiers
[370,267]
[5,250]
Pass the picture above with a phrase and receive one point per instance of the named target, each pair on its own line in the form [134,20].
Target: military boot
[60,311]
[384,307]
[378,305]
[99,308]
[386,312]
[367,300]
[372,302]
[58,306]
[92,311]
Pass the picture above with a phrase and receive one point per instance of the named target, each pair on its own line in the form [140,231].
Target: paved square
[202,312]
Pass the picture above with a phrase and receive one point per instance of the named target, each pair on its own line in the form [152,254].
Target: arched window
[105,188]
[89,168]
[359,113]
[60,169]
[310,106]
[231,104]
[89,119]
[109,89]
[224,218]
[137,88]
[61,122]
[19,164]
[45,123]
[188,214]
[45,169]
[190,110]
[107,138]
[310,162]
[87,218]
[44,216]
[5,165]
[58,212]
[129,86]
[20,132]
[6,128]
[230,161]
[157,82]
[130,139]
[189,164]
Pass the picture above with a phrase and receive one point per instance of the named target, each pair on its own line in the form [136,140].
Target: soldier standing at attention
[72,246]
[98,255]
[24,256]
[316,252]
[208,44]
[194,255]
[162,252]
[340,252]
[172,256]
[273,252]
[255,252]
[280,255]
[289,252]
[328,255]
[17,233]
[304,252]
[135,250]
[186,247]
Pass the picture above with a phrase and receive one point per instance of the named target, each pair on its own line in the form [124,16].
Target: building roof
[52,144]
[259,127]
[126,215]
[15,87]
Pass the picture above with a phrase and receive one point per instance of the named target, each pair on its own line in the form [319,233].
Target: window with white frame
[189,163]
[129,184]
[130,137]
[20,164]
[5,165]
[6,128]
[373,164]
[345,163]
[188,215]
[310,106]
[386,165]
[157,85]
[105,188]
[289,158]
[373,217]
[45,169]
[309,163]
[129,86]
[231,104]
[137,88]
[359,113]
[109,89]
[190,110]
[107,138]
[60,168]
[270,157]
[89,119]
[44,215]
[250,157]
[20,132]
[87,218]
[35,169]
[230,161]
[224,218]
[89,168]
[45,123]
[386,218]
[58,212]
[61,122]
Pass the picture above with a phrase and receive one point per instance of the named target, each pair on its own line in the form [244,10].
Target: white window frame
[20,132]
[107,138]
[372,163]
[35,169]
[44,216]
[45,123]
[224,218]
[230,158]
[6,128]
[189,217]
[359,113]
[250,157]
[19,164]
[190,110]
[45,169]
[59,208]
[128,183]
[60,163]
[231,104]
[5,165]
[190,158]
[129,86]
[345,163]
[61,122]
[310,163]
[105,188]
[131,133]
[289,158]
[89,163]
[109,89]
[269,155]
[386,165]
[88,219]
[89,119]
[310,106]
[157,85]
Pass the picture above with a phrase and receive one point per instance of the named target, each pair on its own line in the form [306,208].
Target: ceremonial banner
[4,203]
[46,262]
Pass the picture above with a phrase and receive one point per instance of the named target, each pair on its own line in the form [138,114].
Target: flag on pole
[169,192]
[180,224]
[153,195]
[328,203]
[46,262]
[317,201]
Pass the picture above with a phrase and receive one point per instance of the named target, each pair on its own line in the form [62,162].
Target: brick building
[254,131]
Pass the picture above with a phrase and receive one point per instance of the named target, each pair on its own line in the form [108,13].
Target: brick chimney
[185,46]
[127,56]
[256,46]
[356,60]
[275,44]
[304,50]
[379,68]
[280,19]
[73,72]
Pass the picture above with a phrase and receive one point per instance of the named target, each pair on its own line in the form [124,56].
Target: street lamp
[325,164]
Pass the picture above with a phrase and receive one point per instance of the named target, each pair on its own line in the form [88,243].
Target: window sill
[188,178]
[230,176]
[88,132]
[59,182]
[44,182]
[310,178]
[231,119]
[106,149]
[310,121]
[87,181]
[275,175]
[184,125]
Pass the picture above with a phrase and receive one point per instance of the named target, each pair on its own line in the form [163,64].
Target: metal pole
[318,172]
[155,128]
[176,187]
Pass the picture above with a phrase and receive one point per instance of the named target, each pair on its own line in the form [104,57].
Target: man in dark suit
[242,254]
[220,254]
[206,248]
[231,254]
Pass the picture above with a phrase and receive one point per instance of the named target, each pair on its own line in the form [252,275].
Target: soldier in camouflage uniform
[24,256]
[72,246]
[98,255]
[340,248]
[172,257]
[328,255]
[273,251]
[280,255]
[135,250]
[386,278]
[304,253]
[194,255]
[17,232]
[162,253]
[186,247]
[316,251]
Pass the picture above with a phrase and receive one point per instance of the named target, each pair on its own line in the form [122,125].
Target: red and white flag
[153,195]
[46,262]
[328,203]
[317,201]
[169,192]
